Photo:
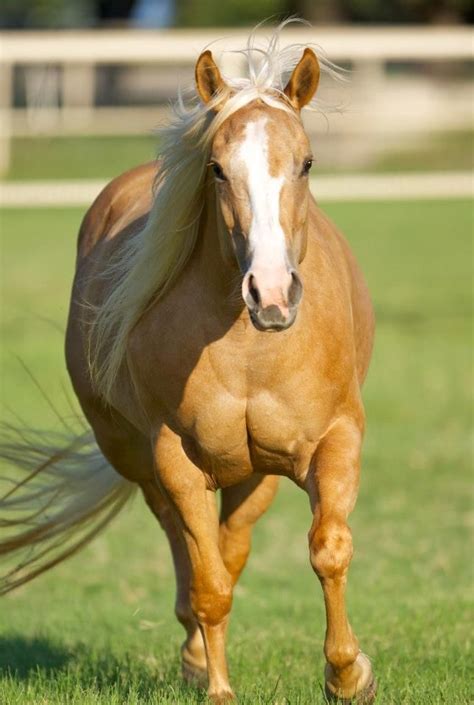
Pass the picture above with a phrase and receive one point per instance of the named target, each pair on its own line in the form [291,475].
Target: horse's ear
[208,77]
[303,81]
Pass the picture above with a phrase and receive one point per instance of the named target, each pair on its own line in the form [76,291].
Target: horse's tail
[61,493]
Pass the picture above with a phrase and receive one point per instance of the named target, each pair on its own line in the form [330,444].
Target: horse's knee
[211,603]
[331,550]
[340,656]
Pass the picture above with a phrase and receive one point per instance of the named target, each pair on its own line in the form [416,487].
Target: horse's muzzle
[272,305]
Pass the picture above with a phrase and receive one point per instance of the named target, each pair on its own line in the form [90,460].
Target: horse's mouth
[271,319]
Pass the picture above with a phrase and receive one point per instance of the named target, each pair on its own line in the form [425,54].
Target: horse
[219,334]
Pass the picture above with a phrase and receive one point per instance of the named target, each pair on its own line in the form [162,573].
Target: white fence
[350,187]
[79,53]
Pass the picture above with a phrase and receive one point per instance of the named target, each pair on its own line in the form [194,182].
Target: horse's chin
[271,320]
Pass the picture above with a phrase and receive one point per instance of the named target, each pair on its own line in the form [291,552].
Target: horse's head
[260,158]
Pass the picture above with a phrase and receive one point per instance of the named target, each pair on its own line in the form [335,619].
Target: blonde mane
[149,263]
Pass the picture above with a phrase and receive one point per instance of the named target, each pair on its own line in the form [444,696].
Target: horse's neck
[214,257]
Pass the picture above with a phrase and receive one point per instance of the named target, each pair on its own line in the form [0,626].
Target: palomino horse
[219,334]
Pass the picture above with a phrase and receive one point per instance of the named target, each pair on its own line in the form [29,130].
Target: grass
[434,151]
[78,157]
[102,157]
[100,630]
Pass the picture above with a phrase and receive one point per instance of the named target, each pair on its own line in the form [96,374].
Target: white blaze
[266,236]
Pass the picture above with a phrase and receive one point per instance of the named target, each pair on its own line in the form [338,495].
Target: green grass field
[99,629]
[103,157]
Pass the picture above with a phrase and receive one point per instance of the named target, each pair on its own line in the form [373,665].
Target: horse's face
[260,160]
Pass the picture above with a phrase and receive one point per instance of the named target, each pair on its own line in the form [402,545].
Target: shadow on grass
[19,656]
[29,659]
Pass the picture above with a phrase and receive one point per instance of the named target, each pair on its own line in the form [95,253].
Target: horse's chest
[282,432]
[244,403]
[263,432]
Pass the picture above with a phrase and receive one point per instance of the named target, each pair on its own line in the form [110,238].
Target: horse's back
[125,200]
[120,210]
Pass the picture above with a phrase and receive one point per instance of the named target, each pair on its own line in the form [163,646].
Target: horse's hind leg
[193,655]
[242,505]
[333,486]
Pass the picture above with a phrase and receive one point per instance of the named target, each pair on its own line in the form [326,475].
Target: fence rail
[355,187]
[174,46]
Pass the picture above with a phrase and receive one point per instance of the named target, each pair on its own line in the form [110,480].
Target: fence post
[6,100]
[78,93]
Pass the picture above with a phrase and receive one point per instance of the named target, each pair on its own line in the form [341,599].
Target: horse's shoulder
[324,229]
[339,251]
[127,196]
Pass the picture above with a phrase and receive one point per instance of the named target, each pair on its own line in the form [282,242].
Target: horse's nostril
[296,289]
[253,291]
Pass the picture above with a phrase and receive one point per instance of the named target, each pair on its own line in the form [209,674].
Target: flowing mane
[147,265]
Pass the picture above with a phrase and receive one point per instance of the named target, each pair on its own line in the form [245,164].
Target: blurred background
[82,85]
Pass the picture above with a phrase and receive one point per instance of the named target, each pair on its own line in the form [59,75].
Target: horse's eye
[307,166]
[218,172]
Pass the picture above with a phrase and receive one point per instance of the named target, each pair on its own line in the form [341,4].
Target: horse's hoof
[364,697]
[225,698]
[194,674]
[362,692]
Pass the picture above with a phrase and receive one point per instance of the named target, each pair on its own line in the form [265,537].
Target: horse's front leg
[210,585]
[333,485]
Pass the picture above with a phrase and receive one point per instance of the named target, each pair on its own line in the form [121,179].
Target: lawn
[99,629]
[102,157]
